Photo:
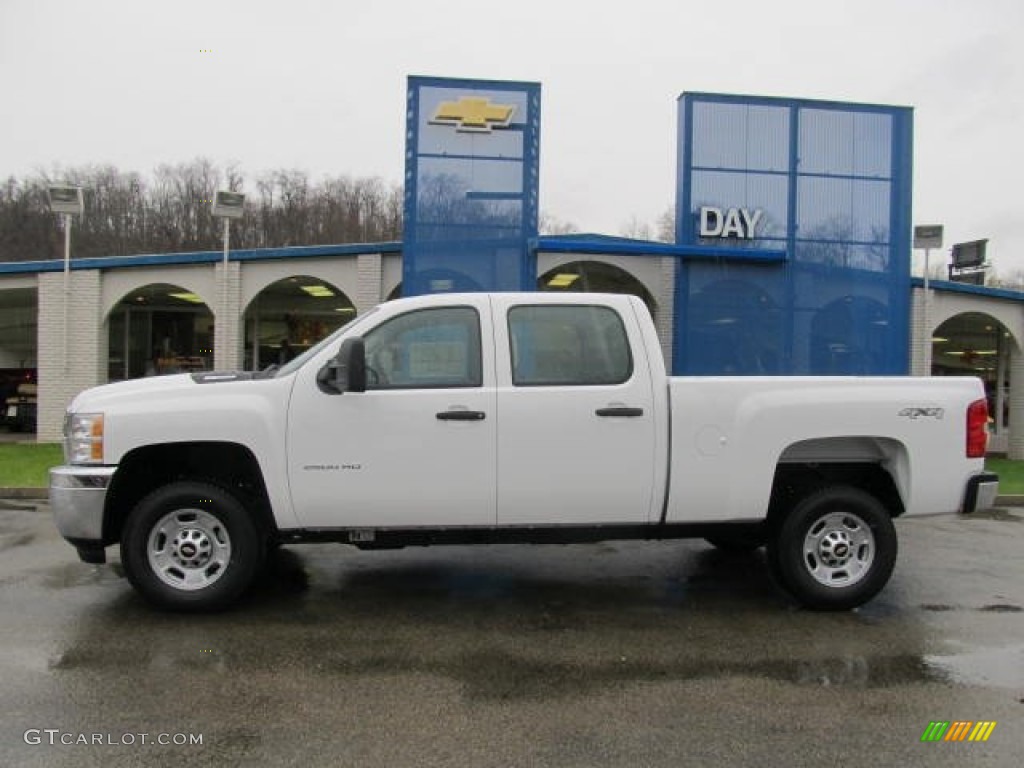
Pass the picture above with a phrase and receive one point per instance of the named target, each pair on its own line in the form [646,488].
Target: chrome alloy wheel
[839,549]
[189,549]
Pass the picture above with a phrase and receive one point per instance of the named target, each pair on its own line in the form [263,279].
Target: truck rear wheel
[191,546]
[835,550]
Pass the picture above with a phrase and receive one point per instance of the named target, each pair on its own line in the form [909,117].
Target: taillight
[977,429]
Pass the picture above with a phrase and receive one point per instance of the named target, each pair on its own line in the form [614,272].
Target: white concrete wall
[920,336]
[200,279]
[391,273]
[665,316]
[71,347]
[369,276]
[228,336]
[1015,438]
[341,272]
[943,306]
[12,282]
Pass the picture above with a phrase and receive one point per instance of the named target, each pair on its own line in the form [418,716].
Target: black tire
[191,546]
[835,550]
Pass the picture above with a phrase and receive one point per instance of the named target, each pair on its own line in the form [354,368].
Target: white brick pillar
[72,345]
[665,317]
[1015,448]
[369,273]
[920,334]
[227,310]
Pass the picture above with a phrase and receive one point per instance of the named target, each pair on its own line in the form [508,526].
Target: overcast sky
[320,85]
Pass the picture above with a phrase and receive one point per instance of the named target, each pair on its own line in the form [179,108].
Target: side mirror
[346,371]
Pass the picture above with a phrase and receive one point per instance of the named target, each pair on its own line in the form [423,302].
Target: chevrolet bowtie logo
[473,114]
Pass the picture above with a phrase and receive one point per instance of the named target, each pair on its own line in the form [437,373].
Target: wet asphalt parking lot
[617,654]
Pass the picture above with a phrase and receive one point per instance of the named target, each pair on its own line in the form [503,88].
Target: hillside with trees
[169,211]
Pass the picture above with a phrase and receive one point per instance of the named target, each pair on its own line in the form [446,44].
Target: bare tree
[636,229]
[550,224]
[666,225]
[126,213]
[663,230]
[1012,279]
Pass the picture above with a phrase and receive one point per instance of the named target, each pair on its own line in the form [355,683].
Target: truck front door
[418,447]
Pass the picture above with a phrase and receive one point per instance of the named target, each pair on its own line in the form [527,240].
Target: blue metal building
[807,205]
[792,232]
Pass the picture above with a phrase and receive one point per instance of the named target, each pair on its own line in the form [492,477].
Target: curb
[1009,501]
[24,493]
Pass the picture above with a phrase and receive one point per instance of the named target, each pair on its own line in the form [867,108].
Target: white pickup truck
[487,418]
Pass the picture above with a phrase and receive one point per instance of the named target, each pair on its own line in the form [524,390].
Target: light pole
[227,206]
[68,202]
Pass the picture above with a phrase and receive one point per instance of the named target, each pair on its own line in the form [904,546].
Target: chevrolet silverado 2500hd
[482,418]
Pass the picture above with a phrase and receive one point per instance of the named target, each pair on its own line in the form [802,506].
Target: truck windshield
[293,365]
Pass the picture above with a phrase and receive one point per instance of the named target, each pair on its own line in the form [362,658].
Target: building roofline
[785,101]
[201,257]
[974,290]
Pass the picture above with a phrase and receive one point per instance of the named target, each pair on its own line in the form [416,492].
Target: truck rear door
[576,420]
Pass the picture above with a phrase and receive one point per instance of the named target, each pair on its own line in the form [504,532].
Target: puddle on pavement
[1000,667]
[1001,608]
[989,608]
[80,575]
[495,676]
[501,676]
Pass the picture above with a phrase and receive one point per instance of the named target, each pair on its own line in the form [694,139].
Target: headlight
[84,441]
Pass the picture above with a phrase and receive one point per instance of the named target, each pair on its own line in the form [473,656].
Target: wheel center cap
[835,550]
[192,548]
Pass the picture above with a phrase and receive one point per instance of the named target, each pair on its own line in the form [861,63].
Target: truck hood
[153,389]
[245,408]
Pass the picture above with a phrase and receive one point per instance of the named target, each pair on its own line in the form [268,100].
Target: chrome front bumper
[77,498]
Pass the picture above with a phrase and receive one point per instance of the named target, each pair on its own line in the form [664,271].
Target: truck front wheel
[835,550]
[191,546]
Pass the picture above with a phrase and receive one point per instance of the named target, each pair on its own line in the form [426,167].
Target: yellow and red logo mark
[473,114]
[958,730]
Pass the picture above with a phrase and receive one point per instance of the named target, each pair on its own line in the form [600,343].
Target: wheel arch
[877,465]
[231,466]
